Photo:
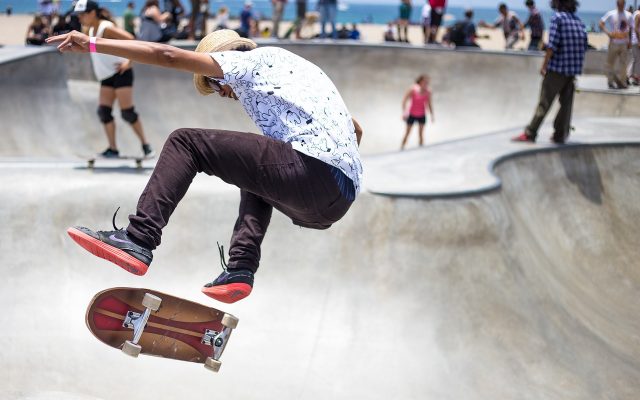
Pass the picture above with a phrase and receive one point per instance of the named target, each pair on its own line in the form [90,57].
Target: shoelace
[113,220]
[223,263]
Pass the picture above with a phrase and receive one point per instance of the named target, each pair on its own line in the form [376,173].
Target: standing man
[617,25]
[306,164]
[512,27]
[195,10]
[328,12]
[278,10]
[246,19]
[536,24]
[404,20]
[438,7]
[301,17]
[129,17]
[563,61]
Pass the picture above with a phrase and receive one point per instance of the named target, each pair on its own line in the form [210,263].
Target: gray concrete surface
[470,269]
[528,292]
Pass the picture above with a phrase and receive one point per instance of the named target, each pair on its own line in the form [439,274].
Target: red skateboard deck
[144,321]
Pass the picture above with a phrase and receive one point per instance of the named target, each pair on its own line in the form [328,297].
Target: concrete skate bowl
[526,292]
[49,100]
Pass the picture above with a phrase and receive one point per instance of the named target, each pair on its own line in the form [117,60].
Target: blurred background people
[37,31]
[512,27]
[617,25]
[536,24]
[328,13]
[403,21]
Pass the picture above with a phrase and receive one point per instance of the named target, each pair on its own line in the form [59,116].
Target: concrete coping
[15,53]
[466,167]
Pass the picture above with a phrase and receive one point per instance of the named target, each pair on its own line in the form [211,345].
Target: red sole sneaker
[229,293]
[107,252]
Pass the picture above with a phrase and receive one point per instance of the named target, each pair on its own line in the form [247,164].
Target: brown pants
[617,63]
[268,172]
[563,86]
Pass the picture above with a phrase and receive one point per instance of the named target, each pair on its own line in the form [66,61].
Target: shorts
[421,120]
[436,18]
[119,80]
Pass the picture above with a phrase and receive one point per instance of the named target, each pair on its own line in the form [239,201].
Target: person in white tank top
[115,75]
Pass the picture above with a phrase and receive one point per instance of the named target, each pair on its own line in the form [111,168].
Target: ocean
[348,12]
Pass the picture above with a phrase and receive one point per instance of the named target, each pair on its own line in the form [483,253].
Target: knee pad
[104,113]
[129,115]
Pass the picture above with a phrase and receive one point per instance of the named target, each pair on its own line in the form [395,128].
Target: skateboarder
[115,76]
[306,165]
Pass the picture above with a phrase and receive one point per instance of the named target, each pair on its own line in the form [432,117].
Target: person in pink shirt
[414,105]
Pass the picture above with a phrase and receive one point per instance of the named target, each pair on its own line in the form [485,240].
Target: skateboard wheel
[230,321]
[213,365]
[131,349]
[151,302]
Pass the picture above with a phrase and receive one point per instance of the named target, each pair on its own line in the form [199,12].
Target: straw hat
[221,40]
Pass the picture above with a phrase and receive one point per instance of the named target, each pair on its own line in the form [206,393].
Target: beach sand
[13,31]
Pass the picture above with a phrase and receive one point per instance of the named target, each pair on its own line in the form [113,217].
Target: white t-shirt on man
[292,100]
[619,24]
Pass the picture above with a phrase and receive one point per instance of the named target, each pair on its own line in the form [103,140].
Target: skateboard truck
[218,340]
[137,322]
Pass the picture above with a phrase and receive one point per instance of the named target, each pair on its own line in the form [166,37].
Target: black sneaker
[110,153]
[231,285]
[148,151]
[115,246]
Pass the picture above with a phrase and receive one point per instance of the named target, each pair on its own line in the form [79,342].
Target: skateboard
[143,321]
[91,160]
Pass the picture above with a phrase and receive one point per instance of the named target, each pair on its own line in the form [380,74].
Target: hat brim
[223,40]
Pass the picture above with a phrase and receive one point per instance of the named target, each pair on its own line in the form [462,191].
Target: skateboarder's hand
[72,42]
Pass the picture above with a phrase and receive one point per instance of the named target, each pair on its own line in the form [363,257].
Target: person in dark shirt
[536,24]
[37,31]
[246,16]
[463,33]
[61,26]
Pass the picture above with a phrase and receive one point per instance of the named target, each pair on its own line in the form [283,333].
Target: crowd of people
[163,20]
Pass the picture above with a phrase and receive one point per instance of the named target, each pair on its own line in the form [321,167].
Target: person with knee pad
[105,114]
[115,75]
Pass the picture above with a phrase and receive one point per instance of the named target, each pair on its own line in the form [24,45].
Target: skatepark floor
[471,268]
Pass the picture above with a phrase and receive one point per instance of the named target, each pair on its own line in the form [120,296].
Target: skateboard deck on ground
[144,321]
[91,160]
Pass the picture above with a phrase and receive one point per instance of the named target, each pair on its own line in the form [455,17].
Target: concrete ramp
[529,292]
[48,101]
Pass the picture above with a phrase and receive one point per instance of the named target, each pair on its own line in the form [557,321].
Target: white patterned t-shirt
[292,100]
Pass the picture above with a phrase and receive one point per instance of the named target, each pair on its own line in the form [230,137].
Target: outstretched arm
[158,54]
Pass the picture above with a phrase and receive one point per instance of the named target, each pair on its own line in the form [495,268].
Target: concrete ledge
[466,167]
